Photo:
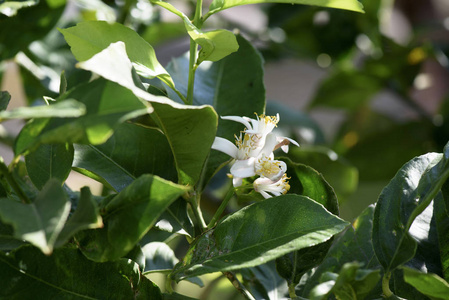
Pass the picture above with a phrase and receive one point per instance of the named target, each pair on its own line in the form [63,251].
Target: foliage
[101,104]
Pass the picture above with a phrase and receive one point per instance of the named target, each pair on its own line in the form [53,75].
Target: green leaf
[351,283]
[190,131]
[40,222]
[65,109]
[107,105]
[264,282]
[341,175]
[215,44]
[354,244]
[219,5]
[5,97]
[130,152]
[28,274]
[89,38]
[431,285]
[28,25]
[230,89]
[49,161]
[128,216]
[402,200]
[307,182]
[86,216]
[255,235]
[442,225]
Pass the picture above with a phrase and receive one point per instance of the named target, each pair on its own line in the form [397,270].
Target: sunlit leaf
[431,285]
[89,38]
[255,235]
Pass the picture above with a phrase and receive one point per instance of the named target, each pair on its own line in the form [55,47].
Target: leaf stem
[12,182]
[194,203]
[221,208]
[193,52]
[238,285]
[386,285]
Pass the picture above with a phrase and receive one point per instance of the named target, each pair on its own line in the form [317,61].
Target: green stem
[12,182]
[194,203]
[193,52]
[291,290]
[221,208]
[386,285]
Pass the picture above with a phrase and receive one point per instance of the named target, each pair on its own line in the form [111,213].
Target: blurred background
[363,93]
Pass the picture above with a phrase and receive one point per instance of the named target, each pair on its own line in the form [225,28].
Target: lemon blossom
[253,149]
[266,186]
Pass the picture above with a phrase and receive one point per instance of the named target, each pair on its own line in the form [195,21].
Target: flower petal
[238,119]
[244,168]
[225,146]
[270,143]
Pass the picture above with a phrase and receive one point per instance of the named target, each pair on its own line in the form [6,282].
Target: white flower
[264,186]
[254,148]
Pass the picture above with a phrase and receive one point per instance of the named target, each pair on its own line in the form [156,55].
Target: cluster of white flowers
[254,154]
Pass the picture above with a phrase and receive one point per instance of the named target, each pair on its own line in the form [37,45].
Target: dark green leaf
[128,216]
[341,175]
[28,274]
[159,257]
[254,235]
[190,131]
[407,195]
[442,225]
[86,216]
[176,219]
[132,151]
[107,105]
[49,161]
[10,8]
[431,285]
[5,97]
[28,25]
[353,245]
[264,282]
[40,222]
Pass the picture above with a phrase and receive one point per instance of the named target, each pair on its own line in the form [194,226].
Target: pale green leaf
[431,285]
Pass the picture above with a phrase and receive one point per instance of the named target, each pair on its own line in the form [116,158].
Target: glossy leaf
[429,284]
[49,161]
[89,38]
[442,225]
[86,216]
[65,109]
[10,8]
[26,274]
[307,182]
[128,216]
[40,222]
[407,195]
[190,131]
[351,283]
[338,172]
[130,152]
[219,5]
[107,105]
[264,282]
[254,235]
[354,244]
